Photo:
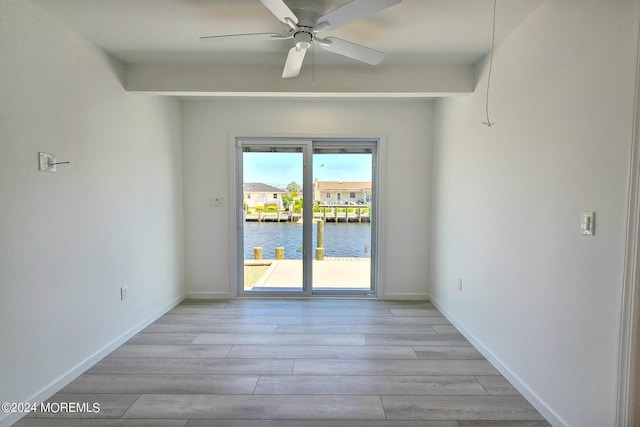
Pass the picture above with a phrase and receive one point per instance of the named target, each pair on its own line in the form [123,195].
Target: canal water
[340,239]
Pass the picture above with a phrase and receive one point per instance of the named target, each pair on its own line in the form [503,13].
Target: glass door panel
[272,209]
[342,212]
[327,248]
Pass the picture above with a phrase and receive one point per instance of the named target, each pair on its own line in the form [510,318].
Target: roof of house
[343,185]
[259,187]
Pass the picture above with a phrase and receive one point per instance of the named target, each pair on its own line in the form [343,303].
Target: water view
[273,202]
[340,240]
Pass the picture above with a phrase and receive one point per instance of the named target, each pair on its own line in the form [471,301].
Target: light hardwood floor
[307,363]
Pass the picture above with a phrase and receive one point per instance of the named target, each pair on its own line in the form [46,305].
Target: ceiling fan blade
[249,36]
[354,10]
[280,10]
[294,62]
[352,50]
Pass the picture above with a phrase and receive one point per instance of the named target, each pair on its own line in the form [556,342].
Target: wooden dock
[327,213]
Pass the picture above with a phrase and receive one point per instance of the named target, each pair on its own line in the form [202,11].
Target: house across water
[257,194]
[341,192]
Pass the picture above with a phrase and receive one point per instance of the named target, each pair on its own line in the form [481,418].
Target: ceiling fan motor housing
[307,11]
[303,38]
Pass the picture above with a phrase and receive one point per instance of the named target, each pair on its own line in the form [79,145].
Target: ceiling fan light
[303,40]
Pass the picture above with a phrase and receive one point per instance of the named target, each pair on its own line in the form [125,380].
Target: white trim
[234,169]
[406,296]
[524,390]
[380,194]
[66,378]
[310,95]
[630,315]
[209,295]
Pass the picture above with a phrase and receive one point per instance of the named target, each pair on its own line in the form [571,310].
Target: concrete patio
[330,273]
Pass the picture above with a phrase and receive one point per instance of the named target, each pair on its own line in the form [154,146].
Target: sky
[279,169]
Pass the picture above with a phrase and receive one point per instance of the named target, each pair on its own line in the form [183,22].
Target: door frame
[236,287]
[629,341]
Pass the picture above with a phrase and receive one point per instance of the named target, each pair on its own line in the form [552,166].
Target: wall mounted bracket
[47,162]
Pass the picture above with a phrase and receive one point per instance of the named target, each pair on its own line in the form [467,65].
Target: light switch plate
[588,223]
[46,162]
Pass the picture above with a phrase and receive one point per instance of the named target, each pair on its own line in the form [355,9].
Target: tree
[286,201]
[294,189]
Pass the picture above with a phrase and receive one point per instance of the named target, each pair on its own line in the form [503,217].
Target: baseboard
[82,367]
[405,296]
[209,295]
[528,394]
[393,296]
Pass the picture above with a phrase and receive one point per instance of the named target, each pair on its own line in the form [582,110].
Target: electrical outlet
[123,293]
[459,285]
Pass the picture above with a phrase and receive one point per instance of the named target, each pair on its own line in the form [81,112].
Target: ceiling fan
[308,20]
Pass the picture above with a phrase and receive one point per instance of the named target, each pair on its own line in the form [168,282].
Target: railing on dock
[270,216]
[342,213]
[327,213]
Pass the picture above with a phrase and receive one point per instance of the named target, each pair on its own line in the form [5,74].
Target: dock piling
[320,248]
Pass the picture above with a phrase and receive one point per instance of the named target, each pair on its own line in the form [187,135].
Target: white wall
[112,217]
[208,125]
[542,300]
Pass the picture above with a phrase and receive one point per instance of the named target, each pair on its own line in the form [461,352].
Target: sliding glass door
[342,215]
[272,217]
[306,217]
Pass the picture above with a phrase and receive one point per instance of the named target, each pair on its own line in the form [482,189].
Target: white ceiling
[168,31]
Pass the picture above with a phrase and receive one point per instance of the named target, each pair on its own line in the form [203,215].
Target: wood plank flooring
[290,363]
